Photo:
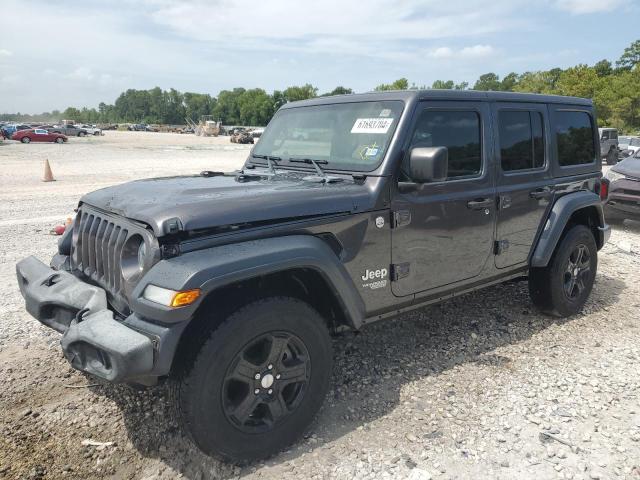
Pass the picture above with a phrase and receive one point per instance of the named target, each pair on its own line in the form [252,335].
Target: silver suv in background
[628,145]
[609,145]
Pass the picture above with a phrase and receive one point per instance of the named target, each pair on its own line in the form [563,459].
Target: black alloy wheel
[577,272]
[266,381]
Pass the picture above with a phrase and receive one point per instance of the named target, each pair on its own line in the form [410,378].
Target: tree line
[614,88]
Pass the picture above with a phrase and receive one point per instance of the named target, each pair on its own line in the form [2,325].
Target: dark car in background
[624,190]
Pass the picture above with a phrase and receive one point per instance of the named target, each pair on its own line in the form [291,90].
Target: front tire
[562,287]
[258,381]
[81,134]
[59,140]
[25,139]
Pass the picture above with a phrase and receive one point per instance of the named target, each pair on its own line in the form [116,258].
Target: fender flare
[213,268]
[560,214]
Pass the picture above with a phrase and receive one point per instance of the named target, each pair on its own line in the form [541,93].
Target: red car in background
[38,135]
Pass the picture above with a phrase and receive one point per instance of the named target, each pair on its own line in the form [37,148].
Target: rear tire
[81,134]
[25,139]
[232,404]
[612,157]
[563,286]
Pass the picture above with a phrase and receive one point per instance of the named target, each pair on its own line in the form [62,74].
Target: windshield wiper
[271,161]
[313,162]
[320,175]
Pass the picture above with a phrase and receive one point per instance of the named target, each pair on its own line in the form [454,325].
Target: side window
[614,135]
[605,135]
[521,140]
[459,132]
[574,134]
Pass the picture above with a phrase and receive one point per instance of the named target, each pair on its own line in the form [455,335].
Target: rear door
[524,180]
[444,231]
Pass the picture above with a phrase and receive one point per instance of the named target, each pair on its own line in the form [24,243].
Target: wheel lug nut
[257,376]
[256,391]
[270,391]
[270,367]
[278,377]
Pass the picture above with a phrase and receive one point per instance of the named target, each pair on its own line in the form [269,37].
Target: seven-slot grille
[98,241]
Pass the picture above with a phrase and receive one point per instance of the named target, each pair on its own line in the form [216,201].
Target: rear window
[574,135]
[521,140]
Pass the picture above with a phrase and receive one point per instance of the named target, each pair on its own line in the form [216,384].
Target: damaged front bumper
[93,340]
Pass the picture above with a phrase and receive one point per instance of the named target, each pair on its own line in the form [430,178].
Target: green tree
[400,84]
[293,94]
[443,85]
[488,82]
[603,68]
[509,82]
[631,56]
[338,91]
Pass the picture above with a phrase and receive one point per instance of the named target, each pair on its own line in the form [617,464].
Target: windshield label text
[372,125]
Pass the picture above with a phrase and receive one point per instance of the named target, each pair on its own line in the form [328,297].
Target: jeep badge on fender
[229,286]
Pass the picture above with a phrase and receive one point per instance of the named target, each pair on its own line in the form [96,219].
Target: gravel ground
[479,387]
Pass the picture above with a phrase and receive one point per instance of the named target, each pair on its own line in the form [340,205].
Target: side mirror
[428,164]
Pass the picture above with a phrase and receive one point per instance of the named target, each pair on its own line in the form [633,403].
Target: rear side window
[574,134]
[521,140]
[459,132]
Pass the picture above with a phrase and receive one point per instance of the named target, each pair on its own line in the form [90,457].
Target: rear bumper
[92,341]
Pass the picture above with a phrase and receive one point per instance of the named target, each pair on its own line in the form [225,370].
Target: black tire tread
[182,394]
[543,289]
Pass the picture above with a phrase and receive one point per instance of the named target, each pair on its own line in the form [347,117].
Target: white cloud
[259,24]
[579,7]
[5,53]
[442,52]
[81,73]
[474,51]
[477,51]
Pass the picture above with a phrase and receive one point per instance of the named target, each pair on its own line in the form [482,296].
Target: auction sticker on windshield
[372,125]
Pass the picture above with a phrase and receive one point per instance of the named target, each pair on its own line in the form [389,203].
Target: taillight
[602,189]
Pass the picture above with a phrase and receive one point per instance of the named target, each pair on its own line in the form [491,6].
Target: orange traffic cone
[48,174]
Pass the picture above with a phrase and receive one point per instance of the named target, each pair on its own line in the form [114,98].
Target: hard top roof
[437,94]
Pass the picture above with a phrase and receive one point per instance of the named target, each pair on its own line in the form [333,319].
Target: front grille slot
[99,240]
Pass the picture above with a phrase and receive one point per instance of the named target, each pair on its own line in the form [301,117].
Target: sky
[80,53]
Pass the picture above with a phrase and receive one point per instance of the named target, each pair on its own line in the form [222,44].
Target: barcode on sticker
[372,125]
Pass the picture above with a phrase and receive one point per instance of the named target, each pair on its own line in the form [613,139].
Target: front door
[444,232]
[524,179]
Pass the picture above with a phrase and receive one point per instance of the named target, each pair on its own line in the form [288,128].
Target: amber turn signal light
[180,299]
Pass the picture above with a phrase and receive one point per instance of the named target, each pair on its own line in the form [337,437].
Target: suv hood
[206,202]
[629,166]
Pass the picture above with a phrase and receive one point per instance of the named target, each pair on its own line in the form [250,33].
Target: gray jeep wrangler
[230,284]
[609,148]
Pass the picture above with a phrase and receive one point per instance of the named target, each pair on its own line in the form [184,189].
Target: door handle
[541,193]
[480,203]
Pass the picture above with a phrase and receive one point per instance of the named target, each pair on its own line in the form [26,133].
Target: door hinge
[399,270]
[401,218]
[501,246]
[504,202]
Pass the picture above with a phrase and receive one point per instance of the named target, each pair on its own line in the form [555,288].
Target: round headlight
[142,253]
[133,257]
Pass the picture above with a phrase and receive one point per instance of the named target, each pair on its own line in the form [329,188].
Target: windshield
[344,136]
